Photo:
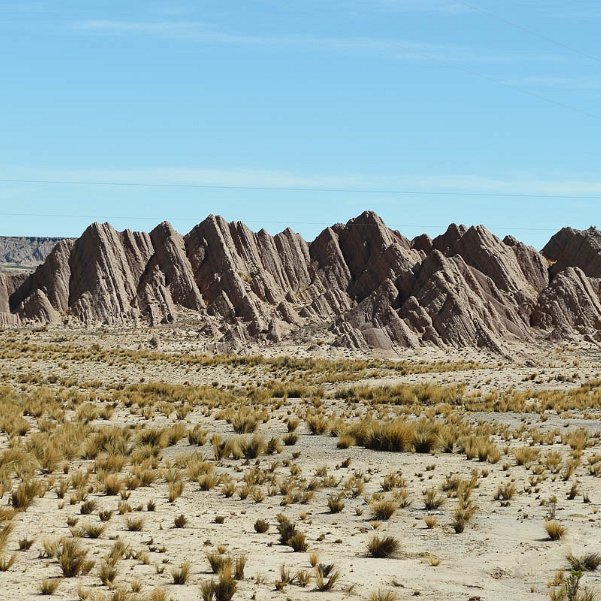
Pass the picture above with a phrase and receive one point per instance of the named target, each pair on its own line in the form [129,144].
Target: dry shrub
[554,529]
[382,547]
[72,560]
[49,586]
[180,575]
[383,509]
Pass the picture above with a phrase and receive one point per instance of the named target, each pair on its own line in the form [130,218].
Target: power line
[391,191]
[545,38]
[530,93]
[527,30]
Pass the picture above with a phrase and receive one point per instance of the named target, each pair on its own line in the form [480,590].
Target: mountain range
[366,284]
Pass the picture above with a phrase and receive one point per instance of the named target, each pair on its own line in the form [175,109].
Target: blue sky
[493,102]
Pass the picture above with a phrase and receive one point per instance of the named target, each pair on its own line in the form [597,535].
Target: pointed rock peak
[422,242]
[98,228]
[482,231]
[445,243]
[575,248]
[163,230]
[510,241]
[479,234]
[367,218]
[456,230]
[566,236]
[211,223]
[97,233]
[212,220]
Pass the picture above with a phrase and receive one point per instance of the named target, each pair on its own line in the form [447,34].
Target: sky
[300,113]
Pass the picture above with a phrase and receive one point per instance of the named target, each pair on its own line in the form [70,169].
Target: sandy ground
[504,552]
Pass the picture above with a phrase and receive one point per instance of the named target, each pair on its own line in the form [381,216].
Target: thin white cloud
[197,31]
[433,6]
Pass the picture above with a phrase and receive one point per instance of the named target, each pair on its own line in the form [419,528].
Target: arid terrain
[134,467]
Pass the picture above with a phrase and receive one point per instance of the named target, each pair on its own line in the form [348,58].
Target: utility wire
[545,38]
[527,30]
[301,189]
[530,93]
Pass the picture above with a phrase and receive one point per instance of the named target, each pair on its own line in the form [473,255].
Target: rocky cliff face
[366,284]
[575,248]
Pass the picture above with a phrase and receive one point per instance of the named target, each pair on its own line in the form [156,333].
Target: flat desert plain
[134,467]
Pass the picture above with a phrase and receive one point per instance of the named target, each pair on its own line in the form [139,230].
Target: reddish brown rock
[9,282]
[365,283]
[575,248]
[571,302]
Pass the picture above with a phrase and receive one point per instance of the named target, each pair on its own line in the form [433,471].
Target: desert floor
[107,437]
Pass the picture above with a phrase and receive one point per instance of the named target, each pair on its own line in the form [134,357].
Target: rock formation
[364,283]
[575,248]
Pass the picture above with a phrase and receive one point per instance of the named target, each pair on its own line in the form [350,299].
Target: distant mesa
[363,283]
[24,252]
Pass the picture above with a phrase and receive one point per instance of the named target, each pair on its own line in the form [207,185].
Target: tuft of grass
[158,594]
[22,497]
[290,536]
[71,558]
[290,439]
[430,521]
[180,575]
[569,588]
[134,524]
[221,589]
[336,503]
[91,530]
[326,576]
[218,561]
[176,488]
[49,586]
[297,542]
[253,447]
[432,499]
[464,511]
[505,492]
[382,547]
[302,578]
[384,509]
[87,507]
[25,544]
[261,526]
[383,595]
[586,563]
[108,572]
[554,529]
[6,562]
[239,565]
[113,484]
[197,436]
[180,521]
[5,532]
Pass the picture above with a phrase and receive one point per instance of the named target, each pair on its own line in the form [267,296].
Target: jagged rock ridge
[363,282]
